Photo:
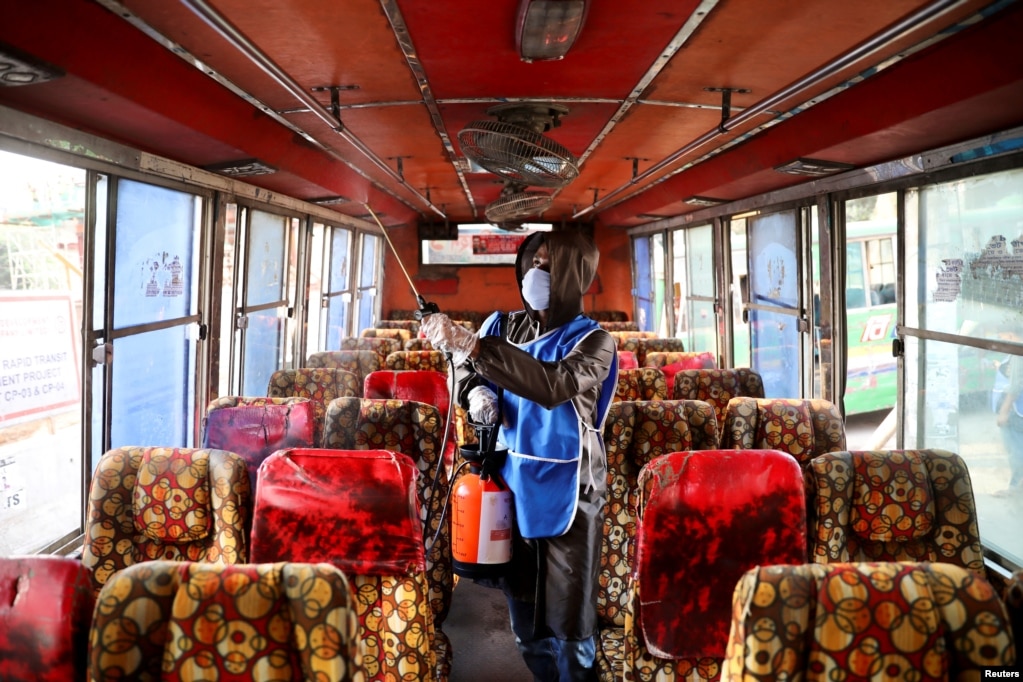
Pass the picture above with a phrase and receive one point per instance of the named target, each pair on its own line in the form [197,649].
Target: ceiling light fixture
[547,29]
[245,168]
[330,201]
[19,68]
[813,167]
[703,201]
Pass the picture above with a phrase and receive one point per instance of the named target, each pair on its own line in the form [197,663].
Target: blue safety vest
[545,446]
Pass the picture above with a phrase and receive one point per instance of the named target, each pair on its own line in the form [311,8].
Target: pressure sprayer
[482,513]
[481,517]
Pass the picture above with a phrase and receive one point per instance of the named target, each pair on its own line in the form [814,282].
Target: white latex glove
[448,337]
[482,405]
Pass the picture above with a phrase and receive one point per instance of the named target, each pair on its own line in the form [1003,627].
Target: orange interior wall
[488,288]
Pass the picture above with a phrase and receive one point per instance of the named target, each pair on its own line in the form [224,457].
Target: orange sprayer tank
[481,523]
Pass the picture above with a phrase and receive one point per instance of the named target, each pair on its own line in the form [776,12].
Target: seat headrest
[892,497]
[171,497]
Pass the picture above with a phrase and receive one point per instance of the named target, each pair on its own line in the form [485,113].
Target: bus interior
[197,196]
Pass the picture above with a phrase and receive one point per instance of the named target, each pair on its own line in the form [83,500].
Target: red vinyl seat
[705,517]
[254,427]
[46,607]
[636,432]
[413,429]
[357,510]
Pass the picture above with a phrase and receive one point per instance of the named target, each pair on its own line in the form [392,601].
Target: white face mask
[536,288]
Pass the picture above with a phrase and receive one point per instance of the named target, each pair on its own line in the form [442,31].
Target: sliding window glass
[42,223]
[964,345]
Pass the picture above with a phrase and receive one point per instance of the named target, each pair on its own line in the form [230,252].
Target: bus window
[41,301]
[870,303]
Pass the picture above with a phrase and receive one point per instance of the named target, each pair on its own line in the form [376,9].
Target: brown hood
[574,261]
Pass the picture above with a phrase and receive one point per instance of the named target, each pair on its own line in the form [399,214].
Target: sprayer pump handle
[425,308]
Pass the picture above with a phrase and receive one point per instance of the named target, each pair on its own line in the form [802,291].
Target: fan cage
[518,154]
[517,207]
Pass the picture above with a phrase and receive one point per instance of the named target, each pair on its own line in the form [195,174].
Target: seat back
[417,359]
[706,517]
[802,428]
[180,504]
[717,387]
[357,510]
[893,505]
[359,362]
[400,334]
[184,621]
[320,385]
[875,620]
[657,344]
[254,427]
[673,362]
[424,386]
[381,345]
[627,360]
[636,432]
[641,383]
[45,610]
[618,325]
[411,325]
[414,429]
[417,344]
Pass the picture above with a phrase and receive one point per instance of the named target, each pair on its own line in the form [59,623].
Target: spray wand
[425,307]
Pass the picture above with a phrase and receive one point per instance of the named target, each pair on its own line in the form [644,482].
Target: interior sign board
[38,362]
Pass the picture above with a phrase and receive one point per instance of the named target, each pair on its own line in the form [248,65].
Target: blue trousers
[550,659]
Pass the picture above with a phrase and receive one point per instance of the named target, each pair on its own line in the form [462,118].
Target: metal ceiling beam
[401,34]
[257,57]
[871,45]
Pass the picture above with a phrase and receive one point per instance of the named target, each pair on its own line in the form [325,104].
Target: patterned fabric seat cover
[357,510]
[319,385]
[359,362]
[635,432]
[381,345]
[802,428]
[657,345]
[717,387]
[617,325]
[178,504]
[417,359]
[187,621]
[417,344]
[674,362]
[893,505]
[424,386]
[401,335]
[706,517]
[851,621]
[413,429]
[45,612]
[641,383]
[411,325]
[255,427]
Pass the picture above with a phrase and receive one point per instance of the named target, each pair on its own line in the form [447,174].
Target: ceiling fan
[515,148]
